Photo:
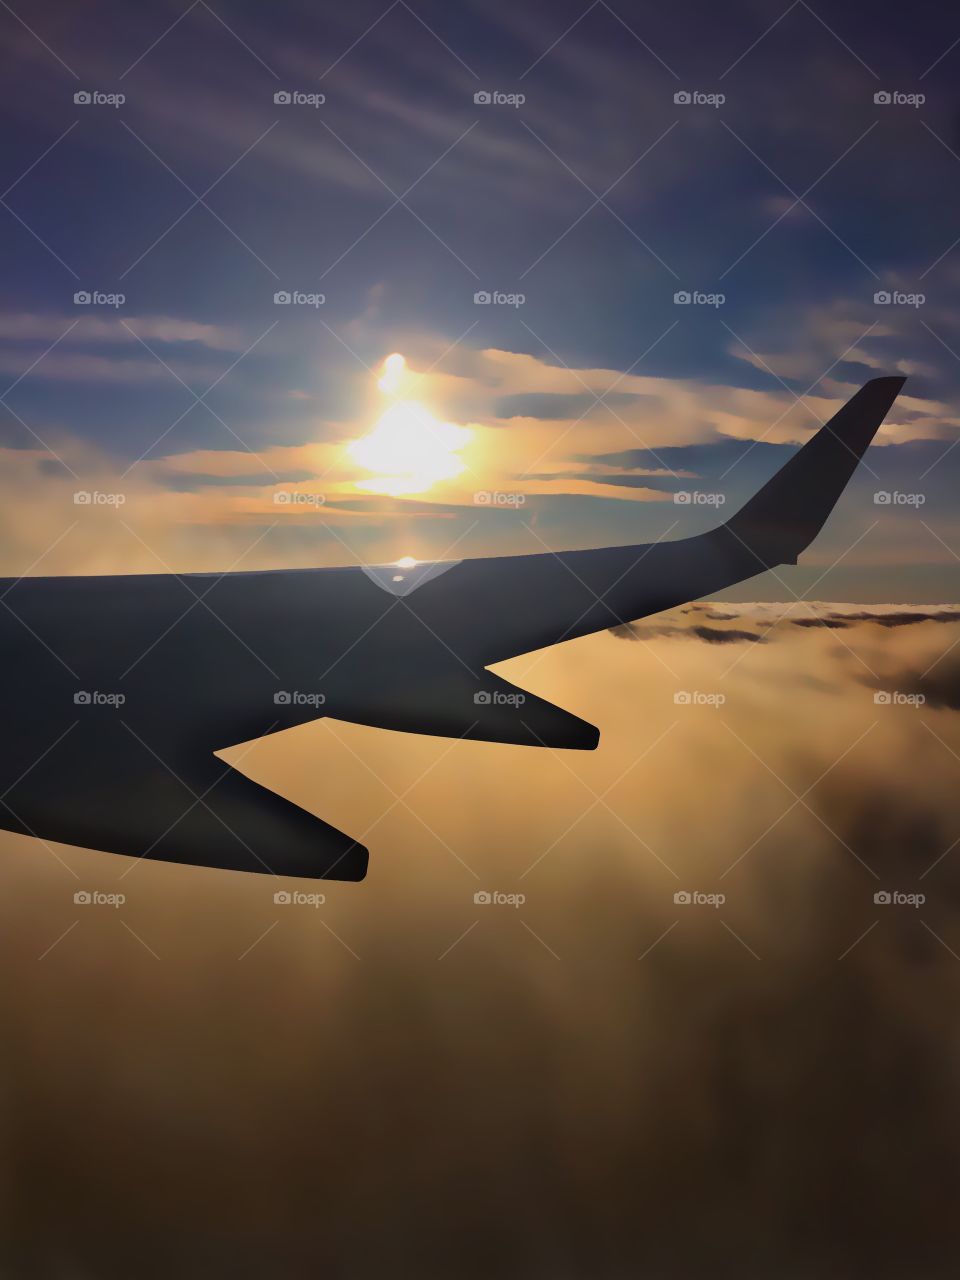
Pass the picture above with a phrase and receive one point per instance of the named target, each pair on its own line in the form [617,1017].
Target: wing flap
[482,707]
[124,796]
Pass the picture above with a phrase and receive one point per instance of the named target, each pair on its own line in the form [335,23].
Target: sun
[409,450]
[394,369]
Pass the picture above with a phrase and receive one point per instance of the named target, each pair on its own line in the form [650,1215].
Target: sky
[218,428]
[280,289]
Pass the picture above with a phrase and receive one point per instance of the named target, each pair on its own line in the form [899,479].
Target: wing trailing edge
[189,808]
[480,707]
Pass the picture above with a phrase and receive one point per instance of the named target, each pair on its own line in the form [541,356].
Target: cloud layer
[770,1076]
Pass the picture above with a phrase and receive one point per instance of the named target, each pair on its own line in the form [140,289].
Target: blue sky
[598,198]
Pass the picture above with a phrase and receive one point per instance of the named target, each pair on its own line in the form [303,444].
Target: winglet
[790,510]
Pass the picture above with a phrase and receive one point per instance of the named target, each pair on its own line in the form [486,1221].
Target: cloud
[64,366]
[556,407]
[55,347]
[900,617]
[710,635]
[714,635]
[791,1020]
[938,685]
[835,624]
[120,329]
[771,619]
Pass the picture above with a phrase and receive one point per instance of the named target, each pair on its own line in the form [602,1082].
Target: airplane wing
[107,781]
[502,607]
[122,688]
[781,521]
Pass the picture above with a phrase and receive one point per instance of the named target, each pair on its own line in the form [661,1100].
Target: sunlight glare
[394,368]
[409,449]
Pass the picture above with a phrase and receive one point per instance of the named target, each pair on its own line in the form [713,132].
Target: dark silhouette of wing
[480,707]
[106,787]
[495,609]
[121,689]
[790,510]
